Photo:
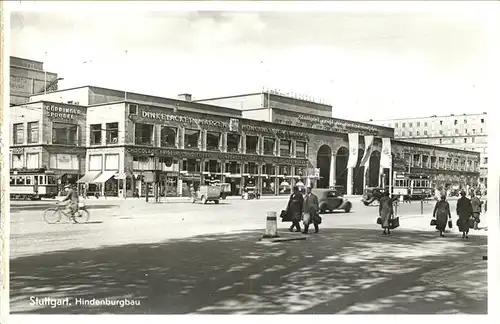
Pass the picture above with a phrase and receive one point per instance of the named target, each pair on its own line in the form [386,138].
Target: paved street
[178,257]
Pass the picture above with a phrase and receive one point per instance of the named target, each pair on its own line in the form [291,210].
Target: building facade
[27,77]
[126,142]
[465,132]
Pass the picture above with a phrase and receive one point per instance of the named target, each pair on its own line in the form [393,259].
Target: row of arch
[342,156]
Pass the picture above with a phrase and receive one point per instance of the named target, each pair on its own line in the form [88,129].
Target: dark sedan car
[329,200]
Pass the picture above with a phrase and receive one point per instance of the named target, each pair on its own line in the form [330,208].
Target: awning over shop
[121,176]
[89,176]
[103,177]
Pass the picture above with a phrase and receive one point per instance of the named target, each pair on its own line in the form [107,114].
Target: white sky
[377,63]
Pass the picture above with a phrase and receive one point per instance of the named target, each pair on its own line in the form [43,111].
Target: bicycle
[54,214]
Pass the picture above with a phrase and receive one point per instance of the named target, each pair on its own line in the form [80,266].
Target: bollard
[422,207]
[271,225]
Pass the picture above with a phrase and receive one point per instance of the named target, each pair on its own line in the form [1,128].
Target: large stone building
[465,132]
[27,77]
[117,142]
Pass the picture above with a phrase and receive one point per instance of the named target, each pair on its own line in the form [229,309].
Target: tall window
[418,124]
[17,161]
[285,146]
[268,169]
[33,132]
[251,168]
[18,130]
[482,120]
[233,167]
[404,124]
[252,144]
[269,145]
[168,136]
[66,134]
[233,142]
[213,166]
[465,140]
[300,149]
[112,133]
[213,141]
[455,122]
[191,165]
[440,141]
[191,138]
[95,134]
[95,162]
[144,134]
[112,162]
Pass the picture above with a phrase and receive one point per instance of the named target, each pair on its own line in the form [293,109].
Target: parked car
[206,194]
[330,200]
[372,194]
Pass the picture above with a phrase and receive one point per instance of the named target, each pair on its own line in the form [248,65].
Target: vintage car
[372,194]
[329,200]
[207,193]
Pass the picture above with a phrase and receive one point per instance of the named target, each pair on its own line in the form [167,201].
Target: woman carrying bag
[441,215]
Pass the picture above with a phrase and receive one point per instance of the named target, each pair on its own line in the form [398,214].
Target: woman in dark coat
[386,211]
[464,212]
[294,209]
[442,214]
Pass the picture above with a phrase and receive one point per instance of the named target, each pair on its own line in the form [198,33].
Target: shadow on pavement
[335,271]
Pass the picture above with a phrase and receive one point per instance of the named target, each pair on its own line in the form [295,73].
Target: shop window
[95,162]
[144,134]
[191,165]
[191,138]
[300,149]
[111,162]
[284,170]
[112,133]
[33,132]
[168,136]
[252,144]
[213,166]
[66,134]
[285,147]
[251,168]
[17,161]
[268,169]
[95,134]
[300,171]
[213,141]
[233,167]
[233,142]
[269,144]
[18,132]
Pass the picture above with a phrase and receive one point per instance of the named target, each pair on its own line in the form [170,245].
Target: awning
[89,176]
[121,176]
[103,177]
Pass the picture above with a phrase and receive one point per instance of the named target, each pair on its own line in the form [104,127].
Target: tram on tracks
[412,185]
[32,184]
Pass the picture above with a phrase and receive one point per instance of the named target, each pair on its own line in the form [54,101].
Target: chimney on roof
[185,96]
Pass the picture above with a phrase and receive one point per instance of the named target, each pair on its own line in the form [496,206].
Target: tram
[32,184]
[412,185]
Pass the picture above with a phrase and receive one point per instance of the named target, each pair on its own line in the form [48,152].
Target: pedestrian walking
[464,212]
[310,209]
[386,211]
[476,204]
[294,209]
[442,214]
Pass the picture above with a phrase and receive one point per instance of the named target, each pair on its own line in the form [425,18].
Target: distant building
[465,132]
[27,78]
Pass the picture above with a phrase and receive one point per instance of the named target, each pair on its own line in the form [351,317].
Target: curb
[282,239]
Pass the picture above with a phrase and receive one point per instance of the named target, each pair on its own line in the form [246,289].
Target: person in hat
[464,212]
[71,200]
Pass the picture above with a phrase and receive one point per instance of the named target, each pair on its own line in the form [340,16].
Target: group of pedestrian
[302,208]
[468,211]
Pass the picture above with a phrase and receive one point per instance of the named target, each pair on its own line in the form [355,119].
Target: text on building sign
[184,119]
[62,112]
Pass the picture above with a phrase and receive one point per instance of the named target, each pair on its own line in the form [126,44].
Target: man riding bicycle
[71,200]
